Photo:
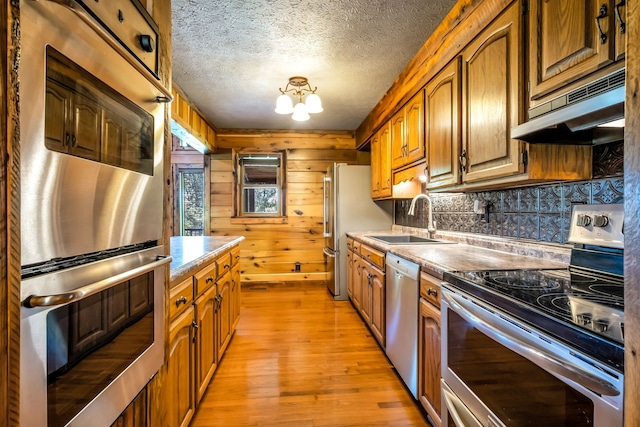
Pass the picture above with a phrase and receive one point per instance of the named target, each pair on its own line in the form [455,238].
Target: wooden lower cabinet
[366,278]
[206,348]
[223,313]
[180,380]
[136,413]
[429,345]
[235,296]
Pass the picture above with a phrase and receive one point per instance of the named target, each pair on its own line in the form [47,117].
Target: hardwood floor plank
[299,358]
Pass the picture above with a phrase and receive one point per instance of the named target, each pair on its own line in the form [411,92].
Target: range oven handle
[86,291]
[74,6]
[458,412]
[520,343]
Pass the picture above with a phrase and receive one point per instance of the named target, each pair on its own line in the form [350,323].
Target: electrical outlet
[297,267]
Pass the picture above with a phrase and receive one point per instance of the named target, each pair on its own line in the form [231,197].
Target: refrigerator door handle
[326,232]
[329,252]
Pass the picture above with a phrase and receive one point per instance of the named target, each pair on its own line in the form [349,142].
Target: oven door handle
[86,291]
[520,343]
[459,413]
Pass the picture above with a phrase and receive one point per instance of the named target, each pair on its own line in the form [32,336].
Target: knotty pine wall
[272,247]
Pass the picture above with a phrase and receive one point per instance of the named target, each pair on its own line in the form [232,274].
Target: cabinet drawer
[224,263]
[356,246]
[430,288]
[372,255]
[235,255]
[205,278]
[350,243]
[180,297]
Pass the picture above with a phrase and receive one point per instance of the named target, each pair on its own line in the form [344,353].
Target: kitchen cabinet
[187,116]
[492,99]
[380,163]
[366,274]
[570,39]
[429,346]
[203,314]
[407,133]
[442,127]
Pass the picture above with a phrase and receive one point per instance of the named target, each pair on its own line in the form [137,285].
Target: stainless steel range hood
[575,116]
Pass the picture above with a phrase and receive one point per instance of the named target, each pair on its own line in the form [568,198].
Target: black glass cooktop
[583,310]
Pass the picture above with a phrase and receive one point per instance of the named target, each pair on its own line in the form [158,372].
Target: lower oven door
[92,337]
[498,372]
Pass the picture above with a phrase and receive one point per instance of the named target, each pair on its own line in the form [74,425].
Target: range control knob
[583,220]
[601,325]
[584,319]
[600,220]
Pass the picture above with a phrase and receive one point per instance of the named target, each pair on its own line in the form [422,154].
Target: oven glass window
[516,390]
[86,118]
[92,341]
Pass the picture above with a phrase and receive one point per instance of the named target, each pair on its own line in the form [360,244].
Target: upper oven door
[79,194]
[505,373]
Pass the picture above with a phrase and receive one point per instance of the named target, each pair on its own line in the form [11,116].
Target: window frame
[280,185]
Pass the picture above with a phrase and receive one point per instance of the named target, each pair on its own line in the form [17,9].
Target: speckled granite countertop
[471,252]
[191,252]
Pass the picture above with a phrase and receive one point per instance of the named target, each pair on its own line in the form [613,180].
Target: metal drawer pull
[602,14]
[181,300]
[93,288]
[433,292]
[623,25]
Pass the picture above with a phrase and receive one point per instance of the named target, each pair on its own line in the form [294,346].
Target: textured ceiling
[230,57]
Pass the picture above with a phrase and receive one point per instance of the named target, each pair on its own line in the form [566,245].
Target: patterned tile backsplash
[540,213]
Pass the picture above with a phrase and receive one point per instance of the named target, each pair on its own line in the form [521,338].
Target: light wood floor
[298,358]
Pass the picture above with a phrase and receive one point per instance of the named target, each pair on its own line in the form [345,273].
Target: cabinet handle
[73,140]
[195,330]
[233,284]
[463,161]
[67,139]
[433,292]
[181,300]
[602,14]
[226,266]
[623,25]
[209,279]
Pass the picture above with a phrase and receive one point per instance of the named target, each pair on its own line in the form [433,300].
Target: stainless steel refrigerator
[348,207]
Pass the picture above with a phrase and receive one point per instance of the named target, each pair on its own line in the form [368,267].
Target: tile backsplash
[540,213]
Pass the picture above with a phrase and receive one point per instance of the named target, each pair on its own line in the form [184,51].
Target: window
[260,182]
[191,201]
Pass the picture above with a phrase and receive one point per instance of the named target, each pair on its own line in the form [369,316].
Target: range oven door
[91,338]
[497,371]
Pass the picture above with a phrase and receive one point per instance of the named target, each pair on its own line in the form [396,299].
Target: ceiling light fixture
[299,87]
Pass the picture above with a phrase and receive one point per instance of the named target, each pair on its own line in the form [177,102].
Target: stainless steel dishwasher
[402,319]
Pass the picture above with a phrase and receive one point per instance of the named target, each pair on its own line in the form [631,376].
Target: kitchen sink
[406,239]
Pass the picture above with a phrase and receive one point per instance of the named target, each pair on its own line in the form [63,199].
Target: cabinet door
[87,128]
[384,138]
[235,296]
[492,99]
[206,357]
[350,273]
[365,303]
[140,294]
[378,307]
[135,147]
[398,148]
[57,136]
[181,371]
[375,166]
[356,297]
[223,315]
[88,323]
[111,137]
[429,360]
[442,126]
[565,43]
[117,306]
[620,28]
[414,129]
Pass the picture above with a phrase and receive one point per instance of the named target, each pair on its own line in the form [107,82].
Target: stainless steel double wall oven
[93,266]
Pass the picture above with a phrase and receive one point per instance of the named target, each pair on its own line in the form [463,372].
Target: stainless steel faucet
[431,225]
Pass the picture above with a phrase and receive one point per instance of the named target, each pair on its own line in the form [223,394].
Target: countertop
[437,258]
[191,252]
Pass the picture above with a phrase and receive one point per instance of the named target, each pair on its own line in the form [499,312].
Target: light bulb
[300,113]
[314,104]
[284,105]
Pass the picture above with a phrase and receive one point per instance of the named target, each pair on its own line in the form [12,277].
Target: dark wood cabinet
[88,324]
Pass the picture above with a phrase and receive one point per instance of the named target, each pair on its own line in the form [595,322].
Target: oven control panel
[601,225]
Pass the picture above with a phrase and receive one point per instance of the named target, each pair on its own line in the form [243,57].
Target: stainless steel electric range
[541,345]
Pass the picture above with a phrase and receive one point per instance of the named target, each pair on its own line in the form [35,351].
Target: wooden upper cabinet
[381,163]
[442,127]
[620,29]
[567,41]
[407,133]
[492,98]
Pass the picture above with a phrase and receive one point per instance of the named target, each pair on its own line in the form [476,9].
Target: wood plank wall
[9,217]
[270,250]
[632,225]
